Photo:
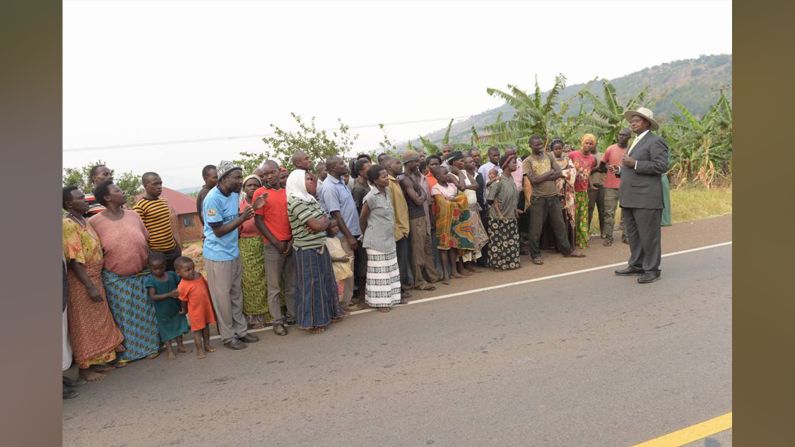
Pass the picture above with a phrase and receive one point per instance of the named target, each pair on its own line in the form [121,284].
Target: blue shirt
[335,196]
[218,208]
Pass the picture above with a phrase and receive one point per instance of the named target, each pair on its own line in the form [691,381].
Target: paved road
[585,360]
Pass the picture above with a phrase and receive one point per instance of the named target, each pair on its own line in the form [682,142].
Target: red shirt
[613,156]
[584,165]
[274,213]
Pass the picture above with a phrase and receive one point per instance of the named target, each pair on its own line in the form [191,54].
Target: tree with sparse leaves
[318,144]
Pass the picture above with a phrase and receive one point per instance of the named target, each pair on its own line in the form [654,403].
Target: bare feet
[91,376]
[456,275]
[170,354]
[209,348]
[200,354]
[183,349]
[383,309]
[446,281]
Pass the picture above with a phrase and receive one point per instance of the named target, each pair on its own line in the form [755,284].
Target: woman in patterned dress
[124,244]
[503,228]
[93,334]
[584,162]
[255,303]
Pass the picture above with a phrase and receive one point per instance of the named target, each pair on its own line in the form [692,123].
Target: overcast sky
[157,71]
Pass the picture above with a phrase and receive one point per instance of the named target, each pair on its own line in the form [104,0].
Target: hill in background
[695,83]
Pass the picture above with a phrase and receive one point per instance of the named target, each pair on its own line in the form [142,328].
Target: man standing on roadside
[641,196]
[612,161]
[210,176]
[336,200]
[415,189]
[159,219]
[542,171]
[274,224]
[401,210]
[222,256]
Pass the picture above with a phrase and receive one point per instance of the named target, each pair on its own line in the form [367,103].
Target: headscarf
[296,186]
[252,176]
[249,177]
[587,137]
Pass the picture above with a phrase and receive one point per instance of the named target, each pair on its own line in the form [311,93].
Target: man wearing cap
[641,196]
[415,190]
[222,218]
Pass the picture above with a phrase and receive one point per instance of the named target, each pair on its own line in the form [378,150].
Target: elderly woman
[124,241]
[377,221]
[92,331]
[584,162]
[503,201]
[316,297]
[255,305]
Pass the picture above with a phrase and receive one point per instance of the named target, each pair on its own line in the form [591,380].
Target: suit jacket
[642,187]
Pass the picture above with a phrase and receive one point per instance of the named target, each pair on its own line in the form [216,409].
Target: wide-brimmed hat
[225,167]
[644,113]
[410,156]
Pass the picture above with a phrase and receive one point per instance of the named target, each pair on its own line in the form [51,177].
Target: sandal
[537,260]
[427,287]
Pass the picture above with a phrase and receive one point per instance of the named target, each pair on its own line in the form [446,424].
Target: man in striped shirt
[158,219]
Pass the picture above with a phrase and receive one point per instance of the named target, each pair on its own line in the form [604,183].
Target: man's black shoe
[629,271]
[249,338]
[235,344]
[648,277]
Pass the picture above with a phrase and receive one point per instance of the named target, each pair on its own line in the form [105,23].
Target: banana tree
[607,116]
[534,114]
[701,148]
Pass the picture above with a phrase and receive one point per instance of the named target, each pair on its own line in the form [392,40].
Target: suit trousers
[544,208]
[224,279]
[280,269]
[643,231]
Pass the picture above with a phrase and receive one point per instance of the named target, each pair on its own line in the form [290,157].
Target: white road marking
[511,284]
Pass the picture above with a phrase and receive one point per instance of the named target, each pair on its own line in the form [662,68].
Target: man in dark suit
[641,195]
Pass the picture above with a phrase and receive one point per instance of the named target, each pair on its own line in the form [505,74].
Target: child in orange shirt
[194,295]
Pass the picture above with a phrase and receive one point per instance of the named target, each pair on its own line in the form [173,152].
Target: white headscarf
[296,186]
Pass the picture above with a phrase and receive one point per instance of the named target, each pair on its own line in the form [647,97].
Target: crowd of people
[306,247]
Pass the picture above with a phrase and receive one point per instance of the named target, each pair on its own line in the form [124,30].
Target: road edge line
[502,286]
[692,433]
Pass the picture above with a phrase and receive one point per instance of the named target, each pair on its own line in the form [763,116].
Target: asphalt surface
[584,360]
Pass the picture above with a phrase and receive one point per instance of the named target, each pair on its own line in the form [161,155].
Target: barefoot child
[340,259]
[195,296]
[162,288]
